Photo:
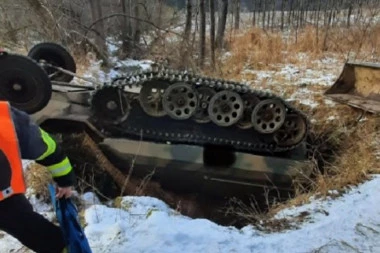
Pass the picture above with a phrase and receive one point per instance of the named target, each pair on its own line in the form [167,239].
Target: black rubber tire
[34,86]
[56,55]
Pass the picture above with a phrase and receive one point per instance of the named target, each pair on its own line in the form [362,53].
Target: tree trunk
[324,48]
[212,32]
[96,13]
[317,21]
[282,13]
[263,11]
[298,17]
[136,28]
[222,23]
[159,18]
[125,32]
[254,13]
[188,20]
[325,16]
[273,13]
[290,13]
[301,13]
[202,32]
[237,14]
[349,14]
[267,13]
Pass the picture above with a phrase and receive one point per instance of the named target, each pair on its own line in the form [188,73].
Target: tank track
[129,119]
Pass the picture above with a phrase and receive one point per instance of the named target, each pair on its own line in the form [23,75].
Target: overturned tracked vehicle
[198,133]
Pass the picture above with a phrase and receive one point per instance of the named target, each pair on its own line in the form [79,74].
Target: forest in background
[193,31]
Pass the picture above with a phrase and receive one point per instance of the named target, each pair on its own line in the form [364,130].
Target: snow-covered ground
[350,223]
[324,73]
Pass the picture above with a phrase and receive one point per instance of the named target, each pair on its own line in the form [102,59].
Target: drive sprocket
[250,101]
[204,95]
[150,98]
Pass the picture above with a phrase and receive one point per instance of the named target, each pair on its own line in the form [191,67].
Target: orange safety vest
[11,169]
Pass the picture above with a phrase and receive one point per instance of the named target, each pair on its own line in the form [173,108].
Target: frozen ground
[324,72]
[350,223]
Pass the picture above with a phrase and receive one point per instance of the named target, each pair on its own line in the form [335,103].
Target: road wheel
[55,55]
[23,83]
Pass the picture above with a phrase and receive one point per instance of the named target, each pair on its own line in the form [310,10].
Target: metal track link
[138,78]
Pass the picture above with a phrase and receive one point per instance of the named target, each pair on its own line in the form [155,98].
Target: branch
[128,16]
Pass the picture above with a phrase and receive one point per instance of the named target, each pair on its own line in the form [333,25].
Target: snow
[350,223]
[148,225]
[331,118]
[305,96]
[291,74]
[97,74]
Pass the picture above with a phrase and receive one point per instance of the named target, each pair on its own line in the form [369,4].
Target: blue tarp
[67,216]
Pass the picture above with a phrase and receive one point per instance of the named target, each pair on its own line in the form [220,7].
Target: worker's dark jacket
[35,144]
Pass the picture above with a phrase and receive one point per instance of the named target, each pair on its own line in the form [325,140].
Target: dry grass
[355,158]
[37,178]
[260,49]
[345,152]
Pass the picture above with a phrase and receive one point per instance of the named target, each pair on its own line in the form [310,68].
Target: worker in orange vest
[20,138]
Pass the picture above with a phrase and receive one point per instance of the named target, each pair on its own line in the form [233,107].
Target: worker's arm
[36,144]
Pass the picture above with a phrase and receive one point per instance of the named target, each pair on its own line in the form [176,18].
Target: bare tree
[254,13]
[282,13]
[289,11]
[237,14]
[125,27]
[96,13]
[189,14]
[136,26]
[263,6]
[202,32]
[212,32]
[350,6]
[331,8]
[159,19]
[317,22]
[273,13]
[221,23]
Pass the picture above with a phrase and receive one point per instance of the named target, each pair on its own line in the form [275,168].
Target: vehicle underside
[192,133]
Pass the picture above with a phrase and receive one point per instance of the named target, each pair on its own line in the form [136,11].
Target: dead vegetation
[37,177]
[259,49]
[345,152]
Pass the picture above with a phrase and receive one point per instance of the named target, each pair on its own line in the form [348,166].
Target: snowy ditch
[350,223]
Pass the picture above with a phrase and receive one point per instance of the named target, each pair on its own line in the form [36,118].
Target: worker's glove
[64,192]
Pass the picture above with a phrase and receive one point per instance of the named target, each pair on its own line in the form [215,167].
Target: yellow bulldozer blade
[359,86]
